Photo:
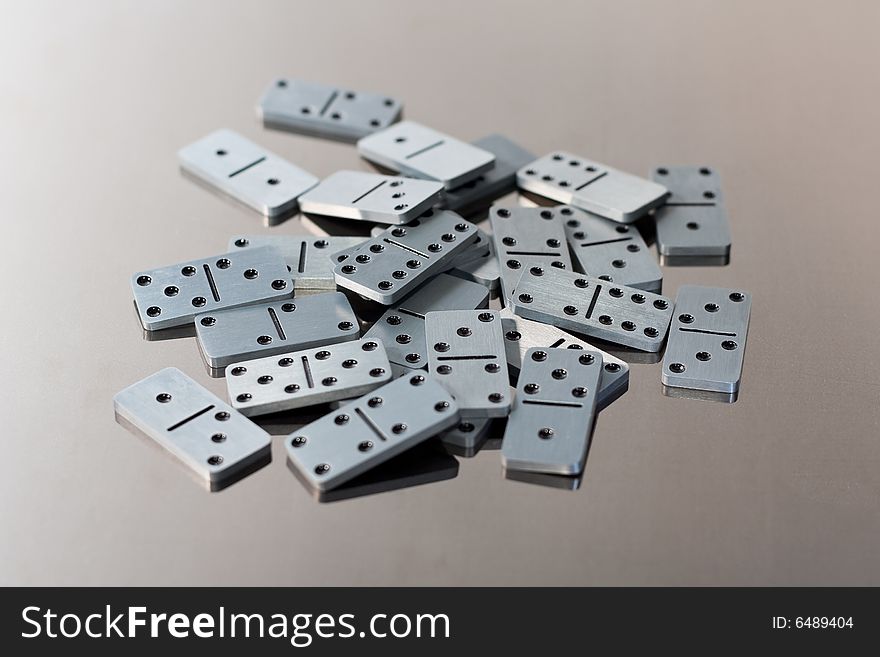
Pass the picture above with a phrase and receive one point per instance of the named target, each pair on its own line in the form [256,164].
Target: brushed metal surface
[172,296]
[520,335]
[387,267]
[483,190]
[551,422]
[693,221]
[466,354]
[308,377]
[247,172]
[779,488]
[309,261]
[364,196]
[591,186]
[322,110]
[527,239]
[371,430]
[274,328]
[607,311]
[610,251]
[707,339]
[402,328]
[416,150]
[208,436]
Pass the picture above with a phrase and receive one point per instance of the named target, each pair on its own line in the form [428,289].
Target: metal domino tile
[692,226]
[597,188]
[466,352]
[308,377]
[611,251]
[207,435]
[468,260]
[527,239]
[707,339]
[325,111]
[172,296]
[416,150]
[247,172]
[371,430]
[268,329]
[363,196]
[551,421]
[389,266]
[589,306]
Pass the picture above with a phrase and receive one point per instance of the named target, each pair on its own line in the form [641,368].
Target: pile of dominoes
[381,326]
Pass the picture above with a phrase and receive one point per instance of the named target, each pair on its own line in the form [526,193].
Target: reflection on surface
[240,474]
[188,331]
[466,451]
[467,437]
[267,221]
[694,261]
[561,482]
[700,395]
[423,464]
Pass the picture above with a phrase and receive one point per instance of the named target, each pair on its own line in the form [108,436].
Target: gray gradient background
[780,488]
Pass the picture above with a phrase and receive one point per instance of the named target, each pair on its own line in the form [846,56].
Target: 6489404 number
[823,622]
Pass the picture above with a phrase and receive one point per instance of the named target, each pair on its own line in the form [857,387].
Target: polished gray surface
[781,487]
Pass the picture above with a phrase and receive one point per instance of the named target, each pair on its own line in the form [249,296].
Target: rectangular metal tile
[323,110]
[371,430]
[596,308]
[416,150]
[707,339]
[591,186]
[387,267]
[208,436]
[308,377]
[693,222]
[364,196]
[611,251]
[551,422]
[247,172]
[466,353]
[527,239]
[172,296]
[275,328]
